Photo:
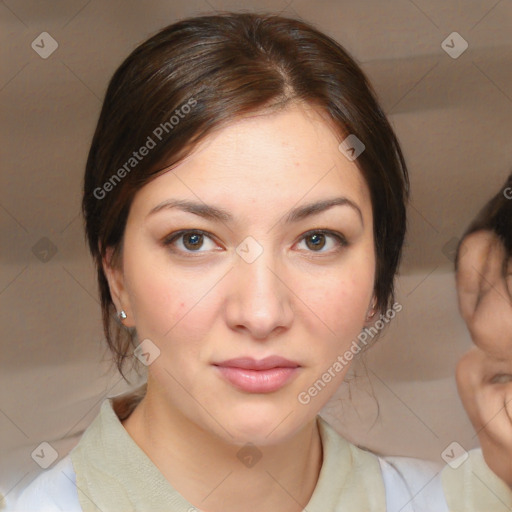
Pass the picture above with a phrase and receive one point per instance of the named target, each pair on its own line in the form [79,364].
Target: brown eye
[318,240]
[192,241]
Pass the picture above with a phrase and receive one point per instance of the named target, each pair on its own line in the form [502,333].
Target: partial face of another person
[248,271]
[484,373]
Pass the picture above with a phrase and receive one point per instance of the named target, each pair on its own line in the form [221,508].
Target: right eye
[187,241]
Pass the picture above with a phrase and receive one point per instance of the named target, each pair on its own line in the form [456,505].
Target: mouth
[258,376]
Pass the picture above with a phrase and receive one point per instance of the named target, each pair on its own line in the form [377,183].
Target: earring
[369,315]
[122,315]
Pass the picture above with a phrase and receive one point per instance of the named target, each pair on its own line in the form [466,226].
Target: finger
[508,276]
[493,278]
[491,324]
[468,376]
[493,409]
[489,319]
[470,266]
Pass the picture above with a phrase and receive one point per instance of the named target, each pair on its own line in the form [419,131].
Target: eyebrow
[219,214]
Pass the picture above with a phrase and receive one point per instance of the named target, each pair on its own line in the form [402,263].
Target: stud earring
[372,312]
[122,315]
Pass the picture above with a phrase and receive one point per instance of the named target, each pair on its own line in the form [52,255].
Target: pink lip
[258,376]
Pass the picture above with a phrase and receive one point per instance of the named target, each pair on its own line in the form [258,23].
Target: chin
[263,425]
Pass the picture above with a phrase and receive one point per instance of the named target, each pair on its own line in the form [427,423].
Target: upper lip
[248,363]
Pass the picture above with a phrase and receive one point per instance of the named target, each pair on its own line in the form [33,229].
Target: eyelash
[170,239]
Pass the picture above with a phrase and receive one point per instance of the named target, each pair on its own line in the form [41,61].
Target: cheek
[164,307]
[338,300]
[340,306]
[160,297]
[170,305]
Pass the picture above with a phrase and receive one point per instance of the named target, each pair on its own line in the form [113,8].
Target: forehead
[263,159]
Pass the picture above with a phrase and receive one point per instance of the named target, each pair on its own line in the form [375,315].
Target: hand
[484,374]
[484,289]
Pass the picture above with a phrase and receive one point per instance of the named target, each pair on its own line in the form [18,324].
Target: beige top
[114,474]
[108,472]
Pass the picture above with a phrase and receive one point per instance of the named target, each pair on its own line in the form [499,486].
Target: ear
[116,282]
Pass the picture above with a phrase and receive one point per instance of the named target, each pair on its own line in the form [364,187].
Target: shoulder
[410,484]
[470,484]
[51,491]
[413,485]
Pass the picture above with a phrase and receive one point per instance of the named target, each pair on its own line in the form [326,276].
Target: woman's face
[241,271]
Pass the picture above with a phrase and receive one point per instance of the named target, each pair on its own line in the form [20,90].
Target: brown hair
[495,216]
[223,67]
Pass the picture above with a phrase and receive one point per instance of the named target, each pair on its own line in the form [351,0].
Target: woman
[244,202]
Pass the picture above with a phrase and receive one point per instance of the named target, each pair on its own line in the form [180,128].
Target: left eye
[318,240]
[501,378]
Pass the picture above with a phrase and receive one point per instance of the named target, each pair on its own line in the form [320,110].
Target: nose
[260,298]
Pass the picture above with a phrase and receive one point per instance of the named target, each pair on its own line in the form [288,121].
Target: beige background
[453,117]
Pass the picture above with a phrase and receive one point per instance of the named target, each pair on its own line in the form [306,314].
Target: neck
[208,472]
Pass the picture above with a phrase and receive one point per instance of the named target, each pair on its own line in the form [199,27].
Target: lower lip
[257,381]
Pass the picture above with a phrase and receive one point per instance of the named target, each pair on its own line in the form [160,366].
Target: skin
[205,305]
[484,374]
